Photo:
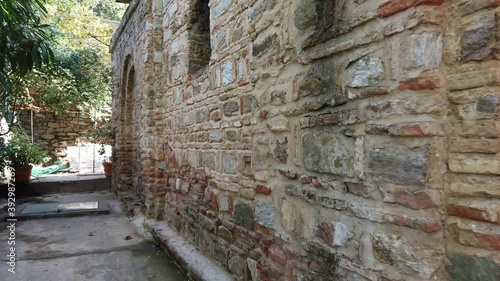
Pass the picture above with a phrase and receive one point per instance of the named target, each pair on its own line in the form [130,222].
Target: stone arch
[128,84]
[126,143]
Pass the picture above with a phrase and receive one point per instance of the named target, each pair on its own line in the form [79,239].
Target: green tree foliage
[79,77]
[77,80]
[109,10]
[19,151]
[24,43]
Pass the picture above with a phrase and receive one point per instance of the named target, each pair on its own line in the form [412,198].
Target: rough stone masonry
[316,139]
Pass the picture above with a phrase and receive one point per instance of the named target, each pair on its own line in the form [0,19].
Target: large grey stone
[341,234]
[236,265]
[223,201]
[227,73]
[219,8]
[231,108]
[220,41]
[408,257]
[487,104]
[266,44]
[252,268]
[178,96]
[397,163]
[475,42]
[225,233]
[215,136]
[201,116]
[207,223]
[243,215]
[321,80]
[322,152]
[422,50]
[208,160]
[230,163]
[249,104]
[193,158]
[305,14]
[264,213]
[365,72]
[255,12]
[469,268]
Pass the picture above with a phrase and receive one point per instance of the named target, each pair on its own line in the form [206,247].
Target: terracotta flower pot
[23,173]
[108,169]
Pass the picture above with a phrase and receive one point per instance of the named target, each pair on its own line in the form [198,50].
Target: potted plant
[102,137]
[20,153]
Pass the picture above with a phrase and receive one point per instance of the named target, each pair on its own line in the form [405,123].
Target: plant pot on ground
[108,169]
[103,137]
[18,152]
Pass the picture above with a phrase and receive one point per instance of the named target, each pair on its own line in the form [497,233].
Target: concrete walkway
[86,248]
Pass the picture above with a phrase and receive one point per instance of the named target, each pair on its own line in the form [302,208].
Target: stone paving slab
[93,248]
[52,210]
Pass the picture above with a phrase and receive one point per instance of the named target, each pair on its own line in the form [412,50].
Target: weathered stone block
[231,135]
[243,215]
[289,214]
[365,72]
[201,116]
[305,14]
[475,145]
[207,223]
[323,152]
[215,136]
[320,80]
[396,6]
[264,45]
[225,233]
[236,265]
[279,125]
[220,41]
[231,108]
[178,96]
[398,164]
[280,151]
[215,115]
[358,189]
[422,50]
[249,104]
[227,73]
[209,160]
[419,84]
[324,232]
[230,163]
[392,249]
[470,268]
[253,269]
[474,163]
[475,43]
[194,159]
[487,104]
[224,202]
[264,213]
[333,234]
[218,9]
[416,200]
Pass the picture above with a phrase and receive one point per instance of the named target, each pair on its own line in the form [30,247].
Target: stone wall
[324,140]
[56,133]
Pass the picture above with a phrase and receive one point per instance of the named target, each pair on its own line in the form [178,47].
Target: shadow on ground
[90,248]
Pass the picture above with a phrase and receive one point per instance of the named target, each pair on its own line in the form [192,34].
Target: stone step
[51,184]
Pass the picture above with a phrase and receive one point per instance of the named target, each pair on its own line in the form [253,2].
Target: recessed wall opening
[199,36]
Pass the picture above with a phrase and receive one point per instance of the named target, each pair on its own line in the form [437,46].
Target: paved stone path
[88,248]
